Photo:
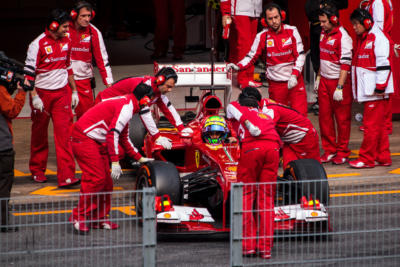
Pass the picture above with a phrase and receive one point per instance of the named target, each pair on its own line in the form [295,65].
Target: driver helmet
[215,130]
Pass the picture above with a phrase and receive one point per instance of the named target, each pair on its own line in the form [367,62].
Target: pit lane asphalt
[186,252]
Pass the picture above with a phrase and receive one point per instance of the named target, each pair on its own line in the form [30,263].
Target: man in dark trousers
[9,109]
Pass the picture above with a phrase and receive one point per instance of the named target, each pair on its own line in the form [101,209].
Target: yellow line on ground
[343,174]
[129,210]
[366,193]
[395,171]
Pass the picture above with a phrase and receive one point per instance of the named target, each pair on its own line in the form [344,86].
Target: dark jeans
[6,181]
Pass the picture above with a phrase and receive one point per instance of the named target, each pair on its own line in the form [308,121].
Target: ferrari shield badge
[197,158]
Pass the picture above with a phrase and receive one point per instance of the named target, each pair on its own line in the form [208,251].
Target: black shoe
[8,229]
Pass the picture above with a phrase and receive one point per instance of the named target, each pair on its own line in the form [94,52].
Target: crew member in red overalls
[87,42]
[96,137]
[284,60]
[372,81]
[162,83]
[243,16]
[49,57]
[382,13]
[334,90]
[258,163]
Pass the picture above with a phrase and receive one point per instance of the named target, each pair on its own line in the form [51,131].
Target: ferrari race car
[193,179]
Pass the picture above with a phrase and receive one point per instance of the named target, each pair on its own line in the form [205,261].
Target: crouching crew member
[299,137]
[162,83]
[259,160]
[334,90]
[95,139]
[372,81]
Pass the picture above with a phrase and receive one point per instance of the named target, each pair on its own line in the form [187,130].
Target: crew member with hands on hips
[284,59]
[49,58]
[96,137]
[258,163]
[162,83]
[87,43]
[333,87]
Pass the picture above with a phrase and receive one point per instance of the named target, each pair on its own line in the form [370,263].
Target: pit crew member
[162,83]
[242,15]
[49,57]
[382,13]
[95,139]
[259,160]
[299,137]
[87,43]
[372,81]
[284,59]
[334,89]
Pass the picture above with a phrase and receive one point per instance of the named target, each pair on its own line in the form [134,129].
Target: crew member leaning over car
[162,83]
[95,141]
[259,160]
[299,137]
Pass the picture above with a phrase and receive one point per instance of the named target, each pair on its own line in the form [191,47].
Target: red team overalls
[259,160]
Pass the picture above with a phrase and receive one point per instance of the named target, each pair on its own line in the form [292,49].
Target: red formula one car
[193,179]
[193,182]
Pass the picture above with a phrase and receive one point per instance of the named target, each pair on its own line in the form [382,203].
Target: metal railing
[363,226]
[45,236]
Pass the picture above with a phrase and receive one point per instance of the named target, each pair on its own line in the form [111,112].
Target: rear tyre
[164,177]
[303,171]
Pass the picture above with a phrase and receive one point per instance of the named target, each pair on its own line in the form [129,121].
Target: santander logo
[202,69]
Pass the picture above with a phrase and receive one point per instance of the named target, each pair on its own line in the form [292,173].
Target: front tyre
[164,177]
[305,172]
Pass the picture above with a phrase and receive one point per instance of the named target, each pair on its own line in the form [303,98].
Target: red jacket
[291,125]
[126,86]
[9,107]
[86,44]
[371,66]
[238,114]
[382,13]
[108,122]
[50,60]
[284,53]
[335,52]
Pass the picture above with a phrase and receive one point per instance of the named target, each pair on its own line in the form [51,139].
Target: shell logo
[314,214]
[270,43]
[167,215]
[48,49]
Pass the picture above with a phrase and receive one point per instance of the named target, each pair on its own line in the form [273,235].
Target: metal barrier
[45,237]
[363,225]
